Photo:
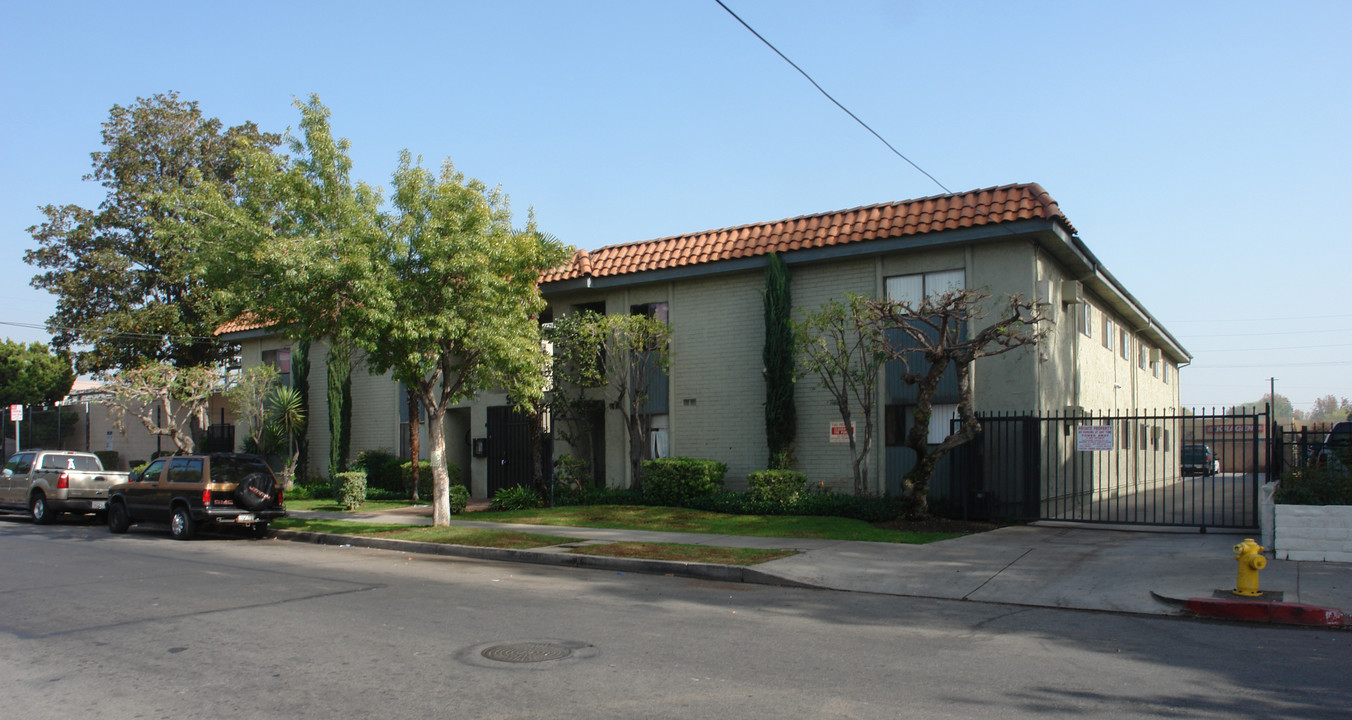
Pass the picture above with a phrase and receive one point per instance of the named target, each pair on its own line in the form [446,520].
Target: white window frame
[1087,319]
[901,288]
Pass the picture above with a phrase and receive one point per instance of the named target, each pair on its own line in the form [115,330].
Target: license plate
[98,505]
[244,518]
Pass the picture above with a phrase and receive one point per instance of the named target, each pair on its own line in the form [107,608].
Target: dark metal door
[509,451]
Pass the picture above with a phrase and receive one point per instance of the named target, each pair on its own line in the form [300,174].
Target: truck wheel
[118,521]
[37,507]
[181,525]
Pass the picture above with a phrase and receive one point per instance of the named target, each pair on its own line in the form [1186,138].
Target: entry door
[509,456]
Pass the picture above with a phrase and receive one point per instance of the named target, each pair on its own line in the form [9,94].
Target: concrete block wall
[1313,532]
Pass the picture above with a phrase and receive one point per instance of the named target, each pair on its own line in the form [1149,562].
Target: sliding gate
[1197,470]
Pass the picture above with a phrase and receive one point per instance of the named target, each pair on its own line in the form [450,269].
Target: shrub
[109,458]
[781,486]
[459,499]
[350,487]
[383,470]
[425,477]
[572,473]
[1315,486]
[671,481]
[517,498]
[868,509]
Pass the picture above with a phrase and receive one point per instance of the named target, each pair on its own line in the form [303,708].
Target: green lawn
[638,517]
[331,505]
[423,533]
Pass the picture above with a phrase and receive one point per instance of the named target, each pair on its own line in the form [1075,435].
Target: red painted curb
[1269,612]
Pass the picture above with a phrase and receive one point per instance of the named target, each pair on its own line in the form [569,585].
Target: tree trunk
[441,480]
[414,439]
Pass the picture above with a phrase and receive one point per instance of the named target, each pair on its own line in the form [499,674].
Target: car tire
[256,491]
[181,524]
[118,520]
[39,510]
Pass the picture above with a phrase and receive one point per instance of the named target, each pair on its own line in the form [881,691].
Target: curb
[699,571]
[1277,613]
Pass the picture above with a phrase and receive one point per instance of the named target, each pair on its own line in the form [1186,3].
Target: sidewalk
[1041,565]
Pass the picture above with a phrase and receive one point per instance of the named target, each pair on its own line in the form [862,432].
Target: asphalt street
[142,626]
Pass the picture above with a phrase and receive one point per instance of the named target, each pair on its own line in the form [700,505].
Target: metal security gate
[1130,468]
[509,449]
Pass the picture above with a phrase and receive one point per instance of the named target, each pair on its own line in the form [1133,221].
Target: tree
[844,346]
[181,394]
[946,329]
[414,439]
[451,309]
[291,244]
[248,394]
[286,420]
[781,415]
[32,374]
[621,355]
[124,274]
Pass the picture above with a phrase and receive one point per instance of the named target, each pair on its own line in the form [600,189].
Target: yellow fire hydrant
[1251,560]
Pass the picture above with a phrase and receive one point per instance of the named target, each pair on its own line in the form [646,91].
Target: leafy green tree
[248,394]
[32,374]
[293,243]
[452,309]
[781,414]
[948,329]
[180,393]
[621,355]
[844,346]
[124,274]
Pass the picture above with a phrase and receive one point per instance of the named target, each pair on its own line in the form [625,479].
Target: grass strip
[642,517]
[421,533]
[683,553]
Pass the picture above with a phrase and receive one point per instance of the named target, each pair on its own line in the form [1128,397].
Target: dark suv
[188,491]
[1336,451]
[1199,460]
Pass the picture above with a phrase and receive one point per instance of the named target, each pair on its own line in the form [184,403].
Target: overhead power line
[832,99]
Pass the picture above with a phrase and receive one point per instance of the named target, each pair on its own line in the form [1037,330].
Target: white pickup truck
[46,483]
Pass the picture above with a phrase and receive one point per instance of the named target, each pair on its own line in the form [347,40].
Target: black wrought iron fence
[1129,467]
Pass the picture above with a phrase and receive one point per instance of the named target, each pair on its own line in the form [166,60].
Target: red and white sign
[1093,438]
[1216,429]
[839,434]
[15,413]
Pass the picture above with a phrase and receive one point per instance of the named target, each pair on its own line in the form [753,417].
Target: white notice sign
[838,433]
[1093,438]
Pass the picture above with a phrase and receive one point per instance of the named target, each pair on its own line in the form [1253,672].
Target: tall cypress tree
[339,364]
[781,415]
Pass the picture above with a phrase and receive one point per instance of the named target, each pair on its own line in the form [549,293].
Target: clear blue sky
[1200,148]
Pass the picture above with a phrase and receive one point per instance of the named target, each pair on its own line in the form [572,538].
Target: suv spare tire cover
[256,490]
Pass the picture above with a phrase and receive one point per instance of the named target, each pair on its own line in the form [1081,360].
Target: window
[659,436]
[1155,367]
[1141,356]
[20,464]
[1087,319]
[1166,373]
[1124,342]
[1108,332]
[898,419]
[280,360]
[185,470]
[913,289]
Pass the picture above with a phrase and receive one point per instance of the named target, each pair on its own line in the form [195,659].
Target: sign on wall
[839,434]
[1093,438]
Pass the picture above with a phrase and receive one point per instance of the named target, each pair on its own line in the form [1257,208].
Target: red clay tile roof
[247,321]
[990,206]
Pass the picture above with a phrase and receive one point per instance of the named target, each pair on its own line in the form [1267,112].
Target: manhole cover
[527,652]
